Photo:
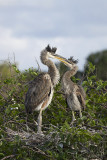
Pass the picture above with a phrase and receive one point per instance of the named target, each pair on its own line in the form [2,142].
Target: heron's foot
[40,133]
[82,120]
[73,116]
[27,127]
[35,123]
[73,119]
[72,122]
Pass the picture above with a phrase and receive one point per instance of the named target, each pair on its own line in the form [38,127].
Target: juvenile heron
[74,93]
[41,89]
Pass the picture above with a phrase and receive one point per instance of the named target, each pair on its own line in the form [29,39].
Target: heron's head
[51,53]
[71,59]
[47,53]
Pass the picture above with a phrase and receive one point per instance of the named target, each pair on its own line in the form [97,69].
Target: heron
[41,89]
[74,93]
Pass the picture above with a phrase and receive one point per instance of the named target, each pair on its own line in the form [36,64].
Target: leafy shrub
[85,139]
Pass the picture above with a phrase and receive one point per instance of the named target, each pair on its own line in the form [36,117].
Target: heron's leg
[73,116]
[27,127]
[27,123]
[34,120]
[80,113]
[40,122]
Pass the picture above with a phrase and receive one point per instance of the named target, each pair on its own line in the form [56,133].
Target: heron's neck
[53,72]
[67,75]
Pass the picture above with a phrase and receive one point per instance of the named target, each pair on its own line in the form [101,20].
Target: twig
[37,150]
[39,69]
[10,156]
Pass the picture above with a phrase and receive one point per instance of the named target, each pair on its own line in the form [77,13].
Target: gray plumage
[74,94]
[41,89]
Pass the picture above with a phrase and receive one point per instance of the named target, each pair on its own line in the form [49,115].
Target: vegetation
[85,139]
[99,59]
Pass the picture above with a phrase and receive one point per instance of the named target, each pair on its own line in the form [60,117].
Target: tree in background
[99,59]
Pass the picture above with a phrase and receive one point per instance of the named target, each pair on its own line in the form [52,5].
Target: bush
[85,139]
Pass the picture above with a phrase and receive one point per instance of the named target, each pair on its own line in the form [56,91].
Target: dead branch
[39,69]
[10,156]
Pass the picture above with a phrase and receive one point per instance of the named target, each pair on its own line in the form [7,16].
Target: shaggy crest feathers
[48,48]
[72,60]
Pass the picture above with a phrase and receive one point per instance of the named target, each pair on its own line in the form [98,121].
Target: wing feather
[38,91]
[81,99]
[81,90]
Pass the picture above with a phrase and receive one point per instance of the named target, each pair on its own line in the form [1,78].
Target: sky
[76,27]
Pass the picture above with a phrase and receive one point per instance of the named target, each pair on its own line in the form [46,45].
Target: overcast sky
[76,27]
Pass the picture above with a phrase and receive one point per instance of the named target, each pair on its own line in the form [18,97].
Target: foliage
[85,139]
[62,68]
[99,59]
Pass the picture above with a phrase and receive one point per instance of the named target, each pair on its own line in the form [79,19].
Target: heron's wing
[69,100]
[39,90]
[81,90]
[81,99]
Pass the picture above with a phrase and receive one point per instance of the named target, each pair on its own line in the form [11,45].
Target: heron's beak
[64,60]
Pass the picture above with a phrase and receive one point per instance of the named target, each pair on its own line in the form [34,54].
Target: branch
[10,156]
[39,69]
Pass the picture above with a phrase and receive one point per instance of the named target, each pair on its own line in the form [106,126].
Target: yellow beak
[63,60]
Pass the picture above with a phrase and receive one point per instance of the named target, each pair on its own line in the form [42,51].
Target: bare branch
[10,156]
[39,69]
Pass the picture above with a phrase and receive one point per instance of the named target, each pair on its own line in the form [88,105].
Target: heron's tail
[28,109]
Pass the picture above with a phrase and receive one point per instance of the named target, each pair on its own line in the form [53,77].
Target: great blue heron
[74,93]
[41,89]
